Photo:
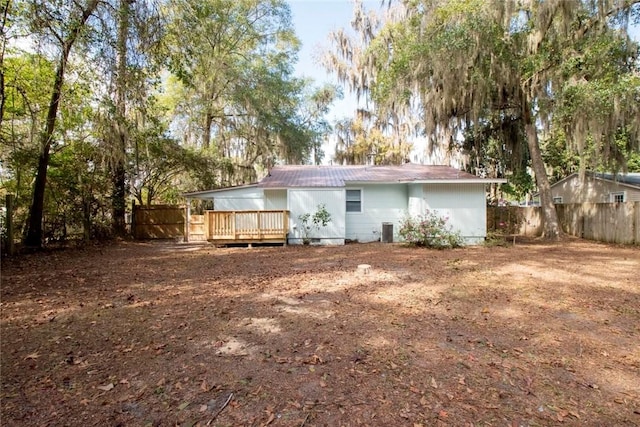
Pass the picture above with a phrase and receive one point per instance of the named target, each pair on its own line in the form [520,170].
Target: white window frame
[557,200]
[361,201]
[613,195]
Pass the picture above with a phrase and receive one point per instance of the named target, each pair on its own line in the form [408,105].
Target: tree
[378,132]
[238,97]
[475,62]
[131,33]
[63,25]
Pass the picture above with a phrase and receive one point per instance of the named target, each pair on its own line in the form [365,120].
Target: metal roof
[629,178]
[292,176]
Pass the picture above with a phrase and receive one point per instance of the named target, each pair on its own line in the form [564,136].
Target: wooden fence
[605,222]
[157,222]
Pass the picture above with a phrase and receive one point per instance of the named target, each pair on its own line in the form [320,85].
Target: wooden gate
[157,222]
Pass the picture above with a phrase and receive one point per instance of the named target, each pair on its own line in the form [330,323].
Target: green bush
[430,230]
[320,219]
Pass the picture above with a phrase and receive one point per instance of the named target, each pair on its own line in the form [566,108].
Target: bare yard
[165,334]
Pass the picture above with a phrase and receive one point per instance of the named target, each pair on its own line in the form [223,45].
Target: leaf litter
[146,333]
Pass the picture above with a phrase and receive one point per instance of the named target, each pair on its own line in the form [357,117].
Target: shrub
[430,230]
[320,219]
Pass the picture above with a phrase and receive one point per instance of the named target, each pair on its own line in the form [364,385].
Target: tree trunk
[206,131]
[34,228]
[551,228]
[34,225]
[119,194]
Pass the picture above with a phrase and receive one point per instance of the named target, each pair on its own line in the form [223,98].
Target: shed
[597,188]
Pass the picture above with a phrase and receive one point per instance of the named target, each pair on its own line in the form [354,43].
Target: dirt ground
[168,334]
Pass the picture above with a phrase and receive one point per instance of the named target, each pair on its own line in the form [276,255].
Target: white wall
[239,199]
[416,199]
[275,199]
[380,203]
[303,201]
[464,204]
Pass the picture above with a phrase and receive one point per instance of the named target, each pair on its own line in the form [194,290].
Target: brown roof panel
[338,176]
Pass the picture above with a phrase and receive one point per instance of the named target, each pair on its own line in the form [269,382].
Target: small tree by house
[313,223]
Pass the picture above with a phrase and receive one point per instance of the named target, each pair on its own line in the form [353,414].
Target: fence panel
[604,222]
[158,222]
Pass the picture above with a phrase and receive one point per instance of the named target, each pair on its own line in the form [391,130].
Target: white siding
[464,205]
[239,199]
[303,201]
[416,196]
[275,199]
[380,203]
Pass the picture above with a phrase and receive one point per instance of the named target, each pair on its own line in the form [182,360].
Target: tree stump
[364,269]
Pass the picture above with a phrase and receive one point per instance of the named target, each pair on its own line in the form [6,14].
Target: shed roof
[628,180]
[292,176]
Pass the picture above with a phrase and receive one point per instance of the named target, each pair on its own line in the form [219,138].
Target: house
[597,188]
[361,198]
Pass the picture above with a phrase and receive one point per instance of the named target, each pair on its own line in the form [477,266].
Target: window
[617,197]
[557,200]
[354,200]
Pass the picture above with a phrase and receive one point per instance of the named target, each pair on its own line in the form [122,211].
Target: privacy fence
[604,222]
[157,222]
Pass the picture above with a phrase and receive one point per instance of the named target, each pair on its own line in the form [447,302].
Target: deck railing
[247,226]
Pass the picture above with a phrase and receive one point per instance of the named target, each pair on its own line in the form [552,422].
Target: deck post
[285,226]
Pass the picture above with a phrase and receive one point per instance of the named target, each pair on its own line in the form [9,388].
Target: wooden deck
[225,227]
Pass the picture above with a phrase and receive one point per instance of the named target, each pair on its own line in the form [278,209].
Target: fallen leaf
[183,406]
[107,387]
[203,408]
[434,384]
[443,413]
[31,356]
